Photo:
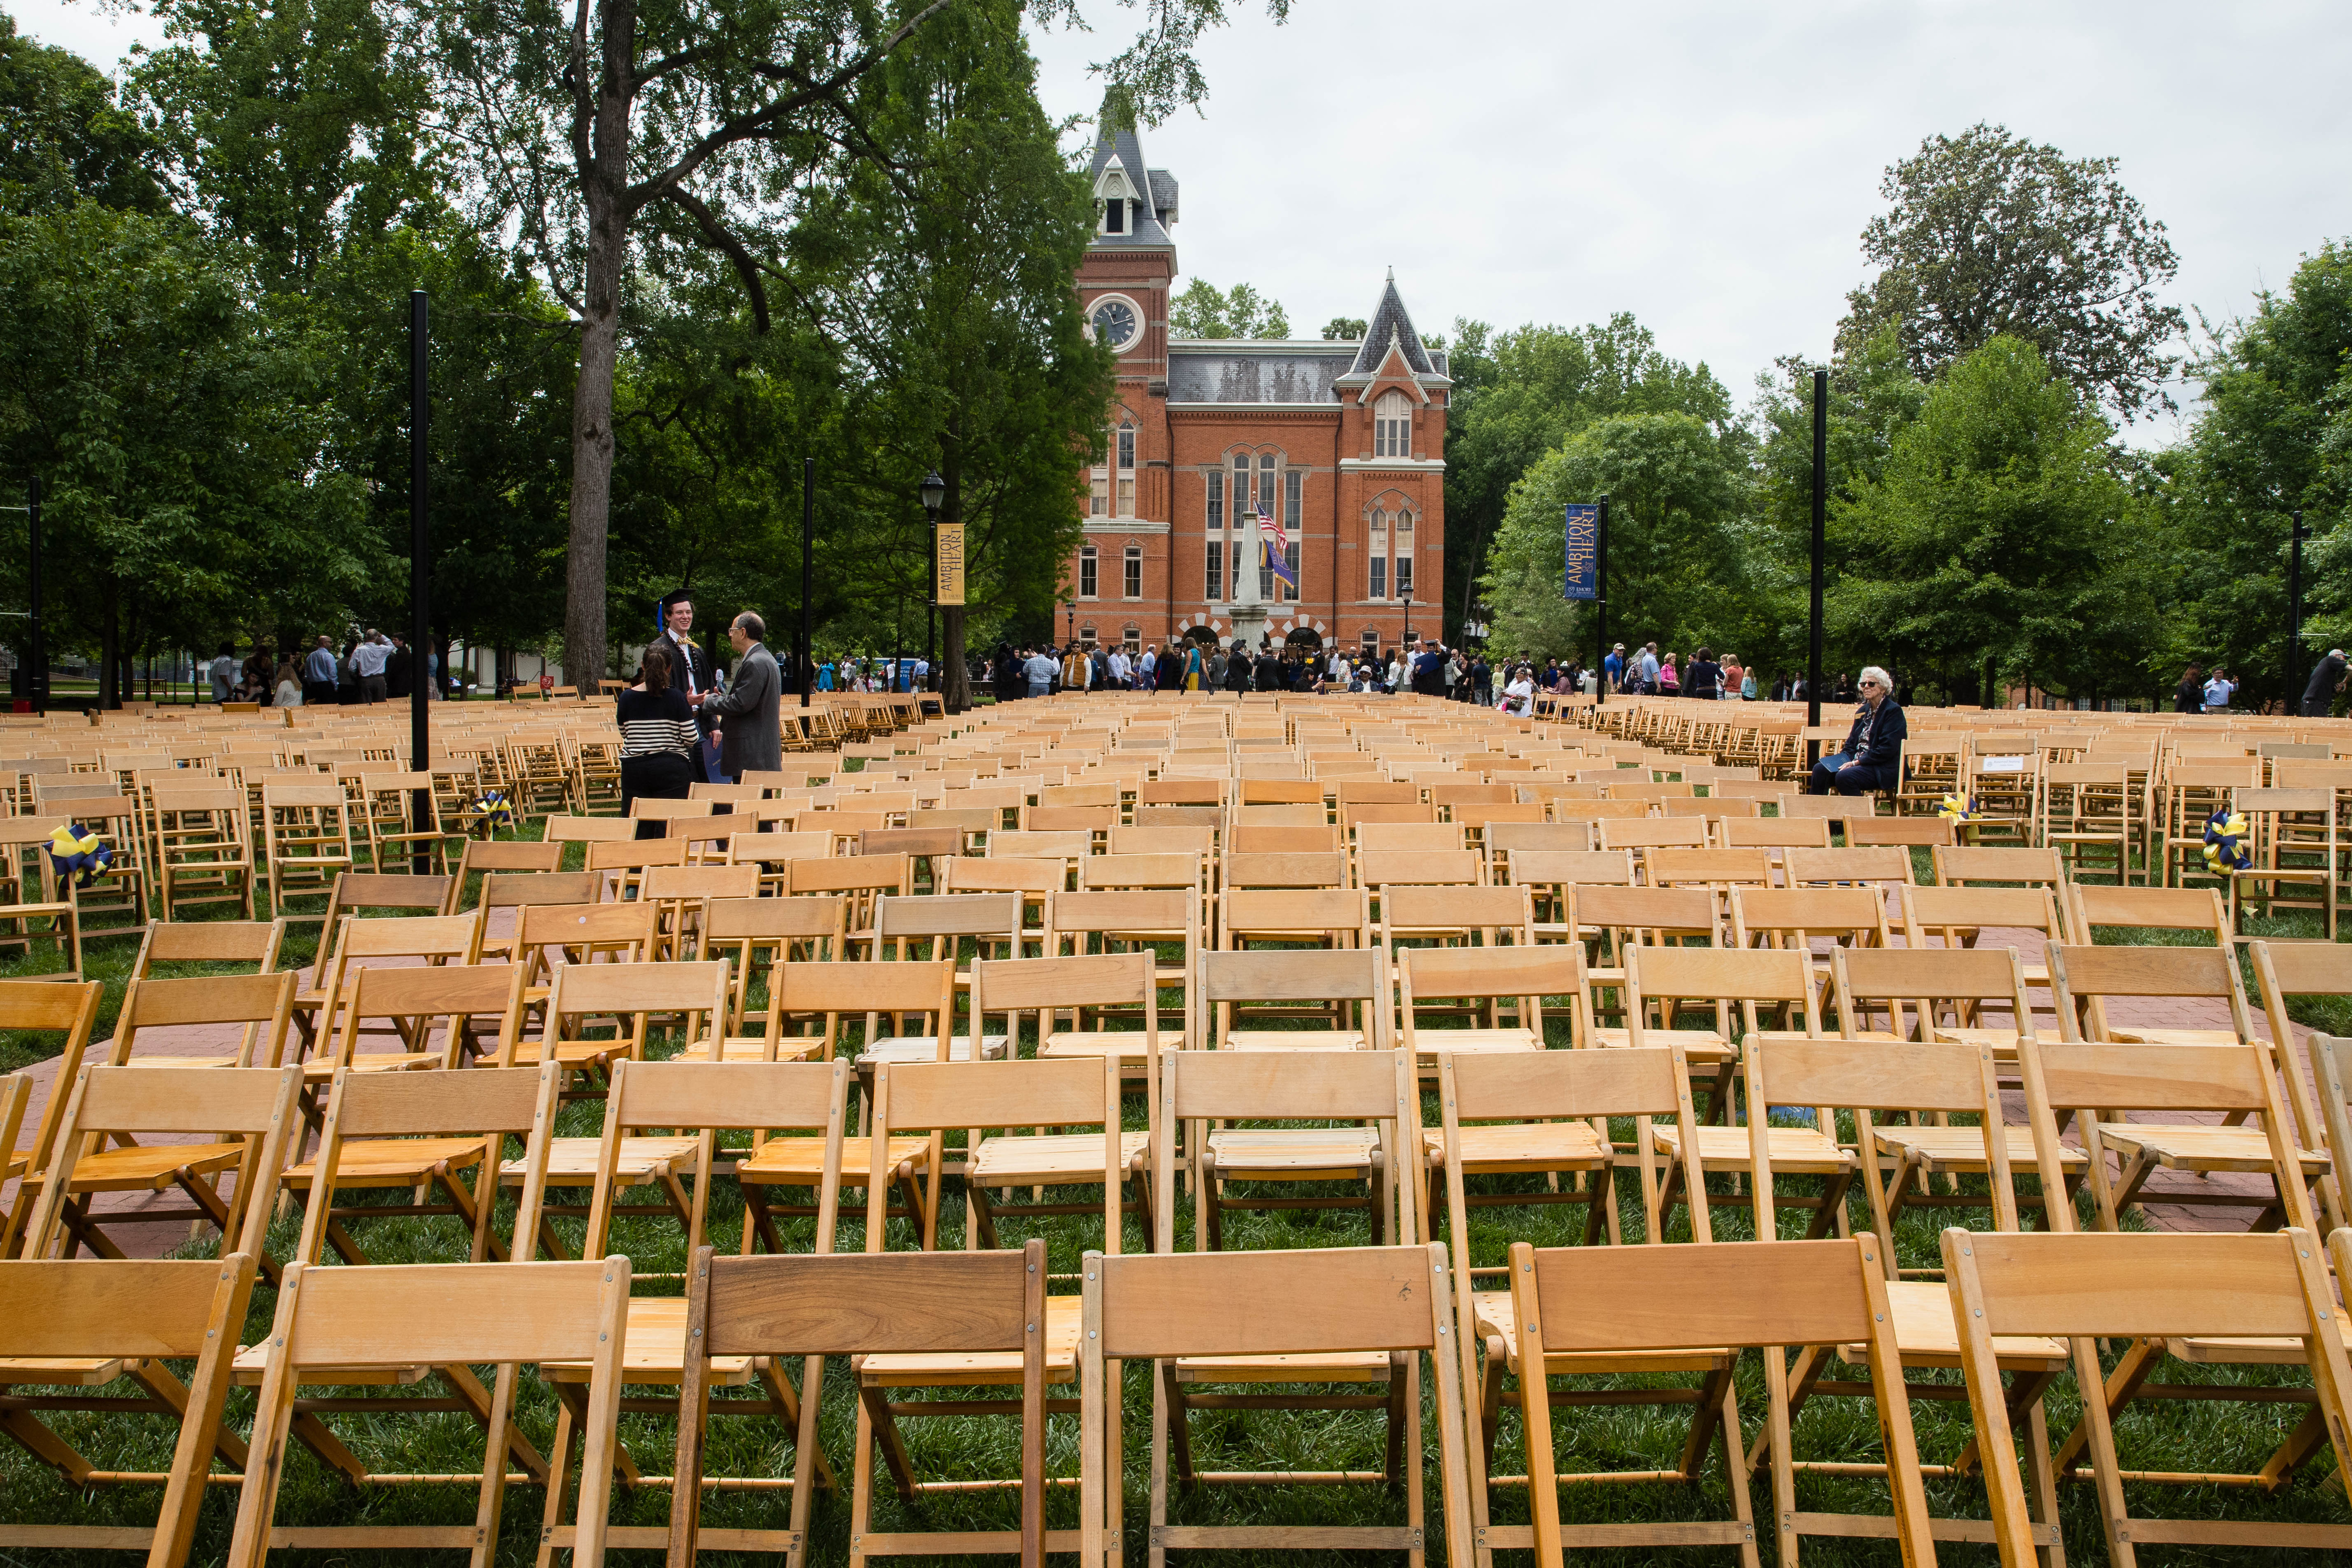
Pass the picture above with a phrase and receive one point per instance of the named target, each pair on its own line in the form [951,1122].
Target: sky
[1706,167]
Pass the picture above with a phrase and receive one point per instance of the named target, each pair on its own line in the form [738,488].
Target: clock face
[1116,323]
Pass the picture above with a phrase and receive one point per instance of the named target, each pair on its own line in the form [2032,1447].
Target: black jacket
[2320,694]
[684,659]
[1885,748]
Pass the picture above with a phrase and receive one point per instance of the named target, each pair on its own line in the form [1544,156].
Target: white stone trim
[1121,526]
[1394,465]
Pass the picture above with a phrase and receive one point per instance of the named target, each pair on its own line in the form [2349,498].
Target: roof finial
[1391,272]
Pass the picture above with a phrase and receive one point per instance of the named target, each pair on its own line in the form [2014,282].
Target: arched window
[1392,425]
[1376,583]
[1089,572]
[1131,577]
[1403,554]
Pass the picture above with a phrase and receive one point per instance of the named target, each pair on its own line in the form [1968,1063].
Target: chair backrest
[2083,979]
[1909,832]
[445,1314]
[1829,868]
[1931,982]
[1350,980]
[1767,1295]
[498,854]
[1949,912]
[1773,833]
[634,993]
[2156,908]
[1751,978]
[139,1308]
[1672,867]
[1300,1303]
[1313,869]
[1061,1093]
[707,1098]
[1426,837]
[2155,1287]
[1334,916]
[489,1102]
[1378,1086]
[1521,976]
[1653,832]
[254,1105]
[1793,916]
[625,932]
[1446,913]
[1672,914]
[263,1004]
[829,993]
[1388,868]
[936,923]
[461,995]
[512,889]
[930,1303]
[254,941]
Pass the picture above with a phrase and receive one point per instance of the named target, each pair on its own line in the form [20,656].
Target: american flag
[1277,550]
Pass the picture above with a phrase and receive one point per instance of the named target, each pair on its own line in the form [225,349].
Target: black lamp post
[934,491]
[1408,615]
[2295,616]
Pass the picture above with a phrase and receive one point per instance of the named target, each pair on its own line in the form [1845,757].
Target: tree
[66,137]
[1992,234]
[1345,330]
[707,126]
[2273,435]
[952,294]
[1204,310]
[1517,394]
[1676,486]
[2002,537]
[177,433]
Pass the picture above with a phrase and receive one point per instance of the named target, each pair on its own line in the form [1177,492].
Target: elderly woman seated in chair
[1873,757]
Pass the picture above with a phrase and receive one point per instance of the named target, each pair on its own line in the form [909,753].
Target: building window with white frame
[1392,425]
[1293,495]
[1215,584]
[1217,500]
[1087,632]
[1371,642]
[1131,638]
[1126,469]
[1403,554]
[1131,575]
[1377,584]
[1089,572]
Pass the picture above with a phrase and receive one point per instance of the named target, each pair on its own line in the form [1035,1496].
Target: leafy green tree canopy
[1990,233]
[1205,310]
[62,135]
[1345,330]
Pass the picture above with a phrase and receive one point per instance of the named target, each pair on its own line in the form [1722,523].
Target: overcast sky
[1707,168]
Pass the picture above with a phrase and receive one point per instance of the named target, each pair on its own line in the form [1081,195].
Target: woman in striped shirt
[658,740]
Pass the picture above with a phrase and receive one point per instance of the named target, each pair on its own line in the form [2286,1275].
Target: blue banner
[1583,578]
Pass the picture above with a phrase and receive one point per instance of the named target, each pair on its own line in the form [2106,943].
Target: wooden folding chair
[1867,1079]
[210,941]
[1314,869]
[1372,1089]
[917,993]
[309,841]
[1886,867]
[677,894]
[518,890]
[1133,920]
[1485,986]
[1635,1304]
[934,928]
[2292,969]
[42,913]
[622,863]
[703,1099]
[787,931]
[1790,917]
[2098,1080]
[357,945]
[402,813]
[121,893]
[203,847]
[863,879]
[2294,846]
[632,996]
[983,1309]
[476,1008]
[1739,988]
[1319,916]
[1472,915]
[1502,839]
[395,1317]
[1969,865]
[86,1323]
[2085,812]
[1260,1317]
[2149,1290]
[581,934]
[239,1119]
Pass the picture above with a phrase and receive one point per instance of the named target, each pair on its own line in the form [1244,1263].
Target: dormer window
[1392,426]
[1113,216]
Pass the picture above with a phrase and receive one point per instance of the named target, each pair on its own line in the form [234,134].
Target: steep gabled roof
[1146,228]
[1390,324]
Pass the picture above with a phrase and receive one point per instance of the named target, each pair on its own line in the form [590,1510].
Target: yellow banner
[950,578]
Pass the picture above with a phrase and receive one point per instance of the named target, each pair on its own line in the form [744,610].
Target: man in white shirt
[368,661]
[318,673]
[1040,672]
[2218,687]
[1121,670]
[1146,669]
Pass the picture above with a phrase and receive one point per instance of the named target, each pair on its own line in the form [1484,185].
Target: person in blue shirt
[1613,668]
[1873,757]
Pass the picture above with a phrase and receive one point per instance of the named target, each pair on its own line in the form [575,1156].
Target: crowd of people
[370,668]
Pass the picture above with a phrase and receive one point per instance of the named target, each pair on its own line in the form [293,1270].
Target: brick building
[1344,443]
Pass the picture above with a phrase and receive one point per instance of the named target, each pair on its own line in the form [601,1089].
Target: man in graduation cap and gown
[695,674]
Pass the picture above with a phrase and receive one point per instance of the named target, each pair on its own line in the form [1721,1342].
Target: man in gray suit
[749,740]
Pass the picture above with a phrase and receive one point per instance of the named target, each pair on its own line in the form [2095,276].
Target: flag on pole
[1277,550]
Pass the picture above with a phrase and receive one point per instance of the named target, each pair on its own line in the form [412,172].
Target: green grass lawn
[2170,1436]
